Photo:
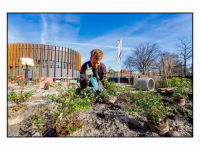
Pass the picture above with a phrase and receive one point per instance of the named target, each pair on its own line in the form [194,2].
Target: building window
[58,64]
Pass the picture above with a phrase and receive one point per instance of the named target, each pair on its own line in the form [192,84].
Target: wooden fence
[44,56]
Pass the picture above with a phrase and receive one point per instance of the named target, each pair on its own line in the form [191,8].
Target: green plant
[35,81]
[171,83]
[11,88]
[174,82]
[46,85]
[138,95]
[112,87]
[187,134]
[162,83]
[105,94]
[63,108]
[152,106]
[78,80]
[11,77]
[21,97]
[181,89]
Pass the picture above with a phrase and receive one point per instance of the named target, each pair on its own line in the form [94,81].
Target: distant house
[123,73]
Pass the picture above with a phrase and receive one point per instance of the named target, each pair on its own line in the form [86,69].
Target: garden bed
[114,120]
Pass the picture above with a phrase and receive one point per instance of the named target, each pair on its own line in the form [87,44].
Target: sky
[84,32]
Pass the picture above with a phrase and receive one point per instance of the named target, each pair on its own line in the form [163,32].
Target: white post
[119,73]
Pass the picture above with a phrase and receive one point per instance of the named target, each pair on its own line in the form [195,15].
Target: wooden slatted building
[50,61]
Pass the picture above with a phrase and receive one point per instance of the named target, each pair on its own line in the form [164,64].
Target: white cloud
[63,30]
[71,18]
[44,29]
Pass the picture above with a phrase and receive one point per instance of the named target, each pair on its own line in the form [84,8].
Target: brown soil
[63,131]
[107,120]
[153,121]
[14,108]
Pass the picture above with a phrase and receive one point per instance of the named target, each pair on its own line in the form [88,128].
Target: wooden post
[73,64]
[65,57]
[24,50]
[27,54]
[41,60]
[75,61]
[165,72]
[71,58]
[20,56]
[52,56]
[79,61]
[8,61]
[31,51]
[44,55]
[48,61]
[59,57]
[67,64]
[55,66]
[11,55]
[62,63]
[34,51]
[14,54]
[17,55]
[38,51]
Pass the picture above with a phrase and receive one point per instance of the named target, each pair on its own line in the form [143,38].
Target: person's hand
[87,81]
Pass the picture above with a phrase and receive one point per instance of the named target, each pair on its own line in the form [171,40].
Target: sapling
[21,97]
[152,106]
[63,109]
[181,89]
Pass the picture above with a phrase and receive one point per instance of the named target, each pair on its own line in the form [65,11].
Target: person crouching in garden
[98,69]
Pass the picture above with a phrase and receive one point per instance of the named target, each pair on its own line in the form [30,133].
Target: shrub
[152,106]
[171,82]
[162,83]
[46,85]
[181,88]
[63,108]
[21,97]
[174,82]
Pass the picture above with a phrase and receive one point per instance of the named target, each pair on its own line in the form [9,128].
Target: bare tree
[143,57]
[185,49]
[170,60]
[128,64]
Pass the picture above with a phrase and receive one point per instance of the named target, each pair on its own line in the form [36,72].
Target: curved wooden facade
[50,61]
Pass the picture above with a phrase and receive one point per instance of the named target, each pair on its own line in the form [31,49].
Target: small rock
[155,134]
[37,134]
[112,99]
[173,134]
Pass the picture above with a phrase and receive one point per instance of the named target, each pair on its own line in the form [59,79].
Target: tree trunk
[165,72]
[185,63]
